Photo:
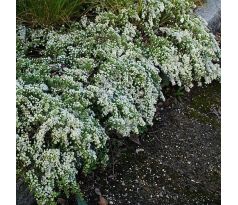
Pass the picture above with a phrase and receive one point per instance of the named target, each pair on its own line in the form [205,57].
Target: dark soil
[178,161]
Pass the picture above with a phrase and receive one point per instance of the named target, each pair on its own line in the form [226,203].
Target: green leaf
[80,200]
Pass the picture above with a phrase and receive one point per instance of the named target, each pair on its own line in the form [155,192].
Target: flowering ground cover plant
[76,84]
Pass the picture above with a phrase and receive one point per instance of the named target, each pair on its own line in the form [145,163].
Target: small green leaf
[80,200]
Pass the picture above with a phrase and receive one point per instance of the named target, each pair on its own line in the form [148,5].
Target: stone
[23,195]
[211,12]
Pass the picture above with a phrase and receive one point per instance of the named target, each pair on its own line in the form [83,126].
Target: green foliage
[57,12]
[80,200]
[47,12]
[199,2]
[76,84]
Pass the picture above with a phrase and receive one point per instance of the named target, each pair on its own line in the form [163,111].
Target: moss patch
[205,104]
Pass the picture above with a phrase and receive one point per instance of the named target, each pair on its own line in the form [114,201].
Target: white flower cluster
[55,138]
[75,84]
[125,91]
[180,44]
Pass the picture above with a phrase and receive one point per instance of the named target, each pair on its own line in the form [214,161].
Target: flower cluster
[56,134]
[76,84]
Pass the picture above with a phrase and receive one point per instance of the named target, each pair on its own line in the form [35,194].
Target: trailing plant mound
[77,85]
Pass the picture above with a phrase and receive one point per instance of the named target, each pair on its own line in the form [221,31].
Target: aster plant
[76,85]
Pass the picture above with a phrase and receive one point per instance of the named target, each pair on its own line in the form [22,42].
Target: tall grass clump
[56,12]
[47,12]
[99,76]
